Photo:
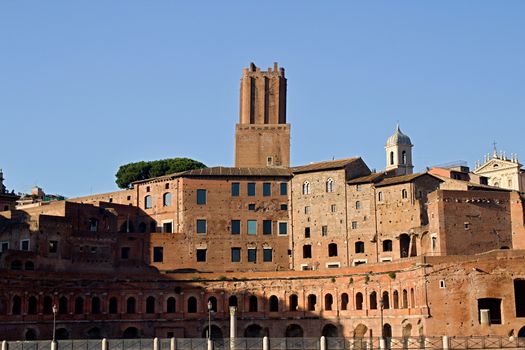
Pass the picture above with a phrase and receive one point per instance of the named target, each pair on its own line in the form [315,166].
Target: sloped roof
[222,171]
[327,165]
[374,177]
[402,179]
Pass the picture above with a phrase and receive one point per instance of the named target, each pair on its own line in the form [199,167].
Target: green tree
[132,172]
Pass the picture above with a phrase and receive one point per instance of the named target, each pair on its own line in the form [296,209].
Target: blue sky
[86,86]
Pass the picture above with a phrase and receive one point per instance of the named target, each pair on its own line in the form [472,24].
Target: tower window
[267,254]
[387,245]
[201,255]
[201,226]
[359,247]
[404,194]
[236,227]
[324,230]
[404,157]
[306,187]
[251,189]
[330,185]
[201,197]
[147,202]
[391,158]
[332,249]
[158,254]
[380,196]
[252,227]
[358,205]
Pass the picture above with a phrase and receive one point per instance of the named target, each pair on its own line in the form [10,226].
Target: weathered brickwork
[299,251]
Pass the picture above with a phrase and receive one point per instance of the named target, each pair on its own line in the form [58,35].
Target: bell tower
[399,153]
[262,136]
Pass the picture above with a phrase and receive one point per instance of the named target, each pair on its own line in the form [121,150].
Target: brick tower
[262,136]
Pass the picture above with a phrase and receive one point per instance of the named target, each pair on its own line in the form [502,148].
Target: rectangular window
[4,246]
[354,225]
[251,206]
[53,246]
[307,209]
[158,254]
[251,189]
[267,227]
[307,232]
[201,197]
[333,208]
[201,226]
[283,228]
[307,251]
[167,227]
[252,227]
[235,189]
[283,188]
[236,254]
[201,255]
[267,189]
[267,254]
[284,206]
[252,255]
[324,230]
[124,253]
[24,244]
[236,227]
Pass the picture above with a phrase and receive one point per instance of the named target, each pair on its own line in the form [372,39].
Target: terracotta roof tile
[331,164]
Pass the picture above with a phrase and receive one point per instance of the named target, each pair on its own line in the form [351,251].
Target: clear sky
[86,86]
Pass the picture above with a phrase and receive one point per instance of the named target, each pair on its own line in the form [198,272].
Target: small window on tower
[269,161]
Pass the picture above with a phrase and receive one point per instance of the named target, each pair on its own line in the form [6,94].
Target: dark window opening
[328,302]
[252,307]
[251,189]
[201,255]
[387,245]
[359,301]
[307,251]
[519,297]
[274,304]
[493,305]
[332,249]
[192,305]
[267,189]
[158,254]
[201,197]
[236,227]
[124,252]
[235,189]
[150,305]
[312,301]
[294,302]
[307,232]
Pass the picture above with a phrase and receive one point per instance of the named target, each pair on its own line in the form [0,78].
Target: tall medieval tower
[262,136]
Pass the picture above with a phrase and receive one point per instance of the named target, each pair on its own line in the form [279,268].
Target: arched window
[130,305]
[252,307]
[373,300]
[330,185]
[274,304]
[95,305]
[148,203]
[312,301]
[405,299]
[387,245]
[150,305]
[386,300]
[32,305]
[79,305]
[359,301]
[16,307]
[192,305]
[404,157]
[93,225]
[359,247]
[404,194]
[166,199]
[48,305]
[412,298]
[391,158]
[113,305]
[358,205]
[232,301]
[379,196]
[344,301]
[294,302]
[328,302]
[306,187]
[395,296]
[171,305]
[332,249]
[213,302]
[62,306]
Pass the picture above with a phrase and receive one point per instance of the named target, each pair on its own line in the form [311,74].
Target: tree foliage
[132,172]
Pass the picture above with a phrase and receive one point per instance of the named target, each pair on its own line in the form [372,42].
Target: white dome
[398,138]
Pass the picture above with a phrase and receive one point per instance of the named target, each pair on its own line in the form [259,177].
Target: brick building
[318,249]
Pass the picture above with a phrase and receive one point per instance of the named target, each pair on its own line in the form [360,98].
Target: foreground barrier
[323,343]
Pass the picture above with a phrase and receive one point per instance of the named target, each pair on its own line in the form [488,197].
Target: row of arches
[130,305]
